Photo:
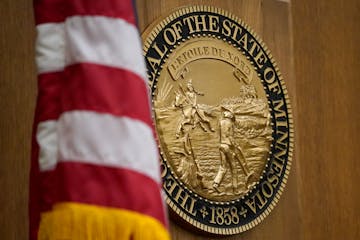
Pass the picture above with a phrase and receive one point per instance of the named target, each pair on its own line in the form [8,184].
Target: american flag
[95,172]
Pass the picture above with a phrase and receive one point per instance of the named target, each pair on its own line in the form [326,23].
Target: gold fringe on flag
[74,221]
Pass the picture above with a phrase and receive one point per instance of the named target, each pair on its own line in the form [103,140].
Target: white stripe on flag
[46,136]
[90,39]
[107,140]
[50,47]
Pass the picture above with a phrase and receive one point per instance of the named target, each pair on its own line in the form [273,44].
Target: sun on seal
[223,119]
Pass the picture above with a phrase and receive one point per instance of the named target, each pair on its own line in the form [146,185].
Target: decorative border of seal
[149,36]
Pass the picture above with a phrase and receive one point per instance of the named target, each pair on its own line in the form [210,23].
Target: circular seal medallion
[223,119]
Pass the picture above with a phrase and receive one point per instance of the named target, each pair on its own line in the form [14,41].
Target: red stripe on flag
[107,90]
[87,183]
[58,10]
[49,96]
[93,87]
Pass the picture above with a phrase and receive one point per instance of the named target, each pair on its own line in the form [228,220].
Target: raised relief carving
[222,117]
[217,145]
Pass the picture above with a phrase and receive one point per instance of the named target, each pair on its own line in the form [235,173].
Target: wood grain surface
[327,63]
[17,101]
[316,45]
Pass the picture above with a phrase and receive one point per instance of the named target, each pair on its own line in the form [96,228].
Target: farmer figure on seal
[230,151]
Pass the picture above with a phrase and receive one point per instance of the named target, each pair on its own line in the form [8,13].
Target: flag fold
[95,170]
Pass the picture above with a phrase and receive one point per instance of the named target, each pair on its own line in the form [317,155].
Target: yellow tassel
[74,221]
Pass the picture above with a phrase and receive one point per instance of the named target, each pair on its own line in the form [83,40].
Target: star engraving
[204,212]
[243,212]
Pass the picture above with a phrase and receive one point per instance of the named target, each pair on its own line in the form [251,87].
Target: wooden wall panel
[327,62]
[321,200]
[17,101]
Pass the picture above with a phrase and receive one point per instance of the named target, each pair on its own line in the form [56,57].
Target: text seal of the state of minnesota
[223,119]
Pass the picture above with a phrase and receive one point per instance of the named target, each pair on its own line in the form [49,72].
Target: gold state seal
[222,117]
